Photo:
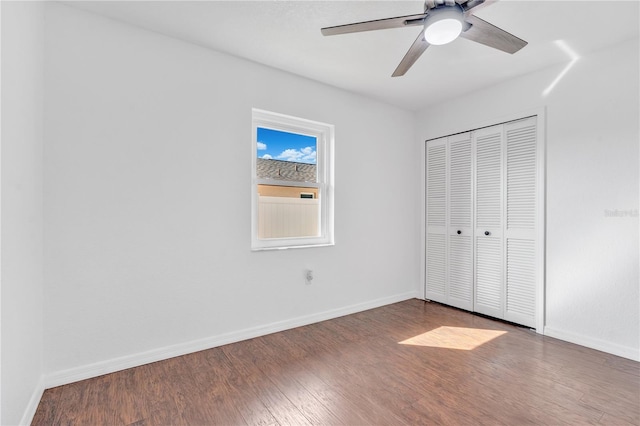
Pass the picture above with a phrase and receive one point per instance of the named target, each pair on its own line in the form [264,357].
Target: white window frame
[324,134]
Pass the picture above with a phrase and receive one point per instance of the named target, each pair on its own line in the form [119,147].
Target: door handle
[459,232]
[487,233]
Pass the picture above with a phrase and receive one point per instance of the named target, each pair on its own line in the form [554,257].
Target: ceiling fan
[443,21]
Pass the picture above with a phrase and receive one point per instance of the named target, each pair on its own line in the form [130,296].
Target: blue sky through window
[279,145]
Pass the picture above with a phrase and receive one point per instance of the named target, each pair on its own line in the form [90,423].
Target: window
[292,182]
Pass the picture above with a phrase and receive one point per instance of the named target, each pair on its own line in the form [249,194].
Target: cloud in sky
[303,155]
[261,146]
[267,157]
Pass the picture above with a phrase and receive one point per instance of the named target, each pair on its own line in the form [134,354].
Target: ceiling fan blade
[492,36]
[379,24]
[476,5]
[417,48]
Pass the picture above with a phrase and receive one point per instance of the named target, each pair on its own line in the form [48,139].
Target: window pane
[288,212]
[286,156]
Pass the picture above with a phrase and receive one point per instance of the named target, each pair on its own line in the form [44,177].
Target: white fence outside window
[285,217]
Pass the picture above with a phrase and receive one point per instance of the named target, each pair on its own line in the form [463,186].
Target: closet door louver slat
[521,269]
[521,177]
[460,184]
[489,276]
[461,272]
[436,186]
[436,266]
[488,180]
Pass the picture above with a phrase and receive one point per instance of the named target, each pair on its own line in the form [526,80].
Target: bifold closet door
[505,221]
[436,220]
[482,206]
[449,204]
[521,177]
[460,222]
[489,284]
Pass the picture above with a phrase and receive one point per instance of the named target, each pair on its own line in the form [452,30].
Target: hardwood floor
[354,370]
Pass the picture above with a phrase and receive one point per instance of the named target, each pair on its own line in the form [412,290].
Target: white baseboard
[597,344]
[75,374]
[36,396]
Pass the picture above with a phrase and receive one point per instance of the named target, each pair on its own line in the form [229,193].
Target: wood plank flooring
[354,370]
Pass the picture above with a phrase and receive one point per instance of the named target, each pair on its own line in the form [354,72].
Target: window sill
[292,247]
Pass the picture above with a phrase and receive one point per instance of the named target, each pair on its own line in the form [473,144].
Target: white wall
[22,231]
[592,281]
[144,134]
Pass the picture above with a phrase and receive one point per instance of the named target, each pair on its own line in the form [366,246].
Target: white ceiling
[286,35]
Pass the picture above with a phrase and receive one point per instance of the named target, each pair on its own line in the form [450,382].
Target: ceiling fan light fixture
[443,25]
[442,22]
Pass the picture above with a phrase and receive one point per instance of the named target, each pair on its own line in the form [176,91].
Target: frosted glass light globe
[443,31]
[443,24]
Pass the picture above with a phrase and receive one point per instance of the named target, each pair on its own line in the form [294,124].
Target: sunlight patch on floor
[461,338]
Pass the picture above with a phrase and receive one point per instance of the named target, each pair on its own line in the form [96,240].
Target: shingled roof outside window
[285,170]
